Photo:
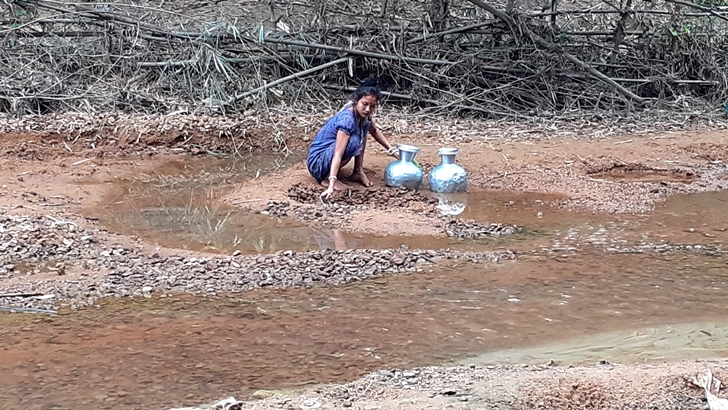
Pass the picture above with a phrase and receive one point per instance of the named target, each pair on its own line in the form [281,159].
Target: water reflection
[451,204]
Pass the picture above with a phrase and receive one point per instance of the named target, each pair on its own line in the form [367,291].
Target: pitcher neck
[407,156]
[448,159]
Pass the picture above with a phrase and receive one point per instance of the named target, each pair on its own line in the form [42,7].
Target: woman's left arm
[379,137]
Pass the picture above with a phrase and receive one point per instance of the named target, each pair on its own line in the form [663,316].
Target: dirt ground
[50,169]
[601,386]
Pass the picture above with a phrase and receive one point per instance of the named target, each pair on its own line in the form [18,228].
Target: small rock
[310,404]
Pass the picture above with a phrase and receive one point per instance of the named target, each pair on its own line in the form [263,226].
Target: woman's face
[366,105]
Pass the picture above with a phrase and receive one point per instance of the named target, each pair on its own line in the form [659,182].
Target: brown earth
[60,171]
[602,386]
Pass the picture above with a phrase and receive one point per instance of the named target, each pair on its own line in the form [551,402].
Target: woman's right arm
[342,139]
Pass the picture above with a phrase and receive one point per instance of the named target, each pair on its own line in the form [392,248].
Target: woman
[344,137]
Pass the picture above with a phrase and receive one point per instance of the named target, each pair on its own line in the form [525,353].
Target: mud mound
[279,209]
[473,229]
[337,214]
[708,151]
[375,197]
[642,173]
[581,394]
[330,216]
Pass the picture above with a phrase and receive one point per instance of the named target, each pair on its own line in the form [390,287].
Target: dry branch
[699,7]
[289,78]
[359,53]
[144,56]
[553,47]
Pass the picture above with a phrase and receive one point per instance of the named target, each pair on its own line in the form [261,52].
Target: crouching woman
[344,137]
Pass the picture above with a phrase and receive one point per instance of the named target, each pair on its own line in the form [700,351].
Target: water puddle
[674,342]
[178,206]
[180,350]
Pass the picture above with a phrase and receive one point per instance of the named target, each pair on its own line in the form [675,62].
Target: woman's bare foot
[361,177]
[338,185]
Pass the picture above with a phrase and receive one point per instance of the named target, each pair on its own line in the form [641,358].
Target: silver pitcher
[403,172]
[448,176]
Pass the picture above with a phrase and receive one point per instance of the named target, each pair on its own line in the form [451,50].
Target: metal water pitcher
[448,176]
[404,172]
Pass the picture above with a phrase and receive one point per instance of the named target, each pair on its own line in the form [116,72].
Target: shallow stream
[589,287]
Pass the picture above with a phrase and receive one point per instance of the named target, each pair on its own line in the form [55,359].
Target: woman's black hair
[367,87]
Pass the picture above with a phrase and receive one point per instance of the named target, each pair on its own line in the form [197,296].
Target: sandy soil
[582,171]
[601,386]
[59,174]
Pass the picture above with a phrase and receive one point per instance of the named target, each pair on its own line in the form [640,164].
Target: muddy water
[178,206]
[175,351]
[591,287]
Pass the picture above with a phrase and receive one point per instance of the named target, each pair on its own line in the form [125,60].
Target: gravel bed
[599,386]
[337,215]
[54,248]
[473,229]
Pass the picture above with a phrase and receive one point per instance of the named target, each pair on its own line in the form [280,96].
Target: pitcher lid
[407,148]
[447,151]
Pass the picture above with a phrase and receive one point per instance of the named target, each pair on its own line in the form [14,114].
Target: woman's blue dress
[322,148]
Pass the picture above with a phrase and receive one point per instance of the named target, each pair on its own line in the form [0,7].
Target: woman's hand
[334,185]
[329,191]
[382,140]
[393,151]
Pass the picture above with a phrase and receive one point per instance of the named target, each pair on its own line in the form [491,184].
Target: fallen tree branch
[450,31]
[182,63]
[19,295]
[590,11]
[358,52]
[288,78]
[698,7]
[156,59]
[553,47]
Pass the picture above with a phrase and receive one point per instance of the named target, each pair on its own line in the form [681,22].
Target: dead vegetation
[510,59]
